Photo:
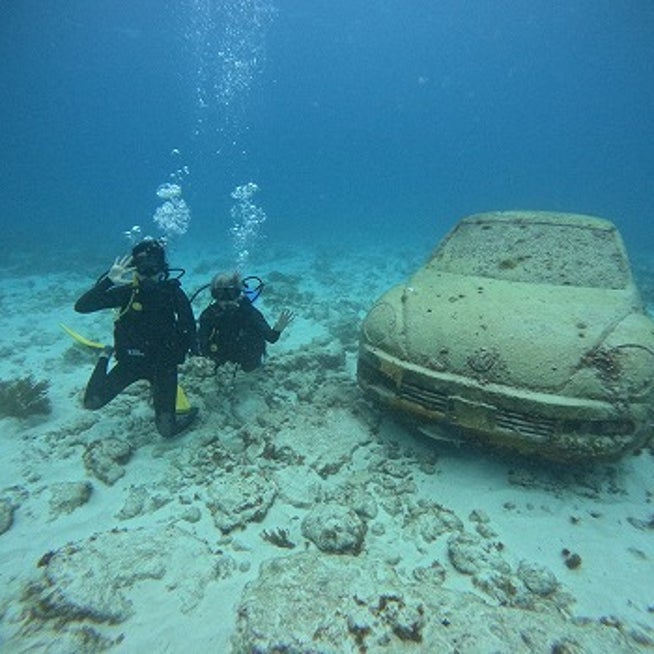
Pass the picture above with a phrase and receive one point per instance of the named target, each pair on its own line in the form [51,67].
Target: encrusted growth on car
[524,330]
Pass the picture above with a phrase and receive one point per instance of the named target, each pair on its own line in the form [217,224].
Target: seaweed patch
[24,397]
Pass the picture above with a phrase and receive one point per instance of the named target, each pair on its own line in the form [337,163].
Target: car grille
[430,399]
[536,428]
[506,419]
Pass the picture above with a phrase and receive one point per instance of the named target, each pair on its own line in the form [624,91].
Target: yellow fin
[81,339]
[182,405]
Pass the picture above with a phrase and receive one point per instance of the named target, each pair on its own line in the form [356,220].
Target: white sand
[535,511]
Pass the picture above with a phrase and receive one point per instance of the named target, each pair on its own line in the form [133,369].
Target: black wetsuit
[235,332]
[154,330]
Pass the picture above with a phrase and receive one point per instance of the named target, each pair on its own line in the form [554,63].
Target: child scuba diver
[232,329]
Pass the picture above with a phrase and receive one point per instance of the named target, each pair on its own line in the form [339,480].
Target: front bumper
[547,425]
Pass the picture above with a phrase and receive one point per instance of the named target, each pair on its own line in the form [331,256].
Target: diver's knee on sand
[93,402]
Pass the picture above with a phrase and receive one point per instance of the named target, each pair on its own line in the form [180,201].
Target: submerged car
[524,330]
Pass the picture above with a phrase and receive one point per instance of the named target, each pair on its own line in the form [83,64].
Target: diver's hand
[121,272]
[283,320]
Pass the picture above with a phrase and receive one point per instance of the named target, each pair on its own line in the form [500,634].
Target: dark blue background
[377,119]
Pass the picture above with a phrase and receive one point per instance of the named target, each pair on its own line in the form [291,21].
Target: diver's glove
[283,320]
[121,272]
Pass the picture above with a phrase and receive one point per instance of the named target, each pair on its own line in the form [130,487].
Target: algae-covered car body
[525,330]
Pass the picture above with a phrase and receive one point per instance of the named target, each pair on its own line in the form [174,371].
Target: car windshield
[535,252]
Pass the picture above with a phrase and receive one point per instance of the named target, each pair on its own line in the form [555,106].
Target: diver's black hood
[149,258]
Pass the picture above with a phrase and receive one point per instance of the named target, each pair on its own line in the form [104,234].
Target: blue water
[358,119]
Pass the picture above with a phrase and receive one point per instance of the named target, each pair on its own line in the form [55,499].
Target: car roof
[537,247]
[542,217]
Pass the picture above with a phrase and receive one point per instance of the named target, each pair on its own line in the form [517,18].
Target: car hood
[520,334]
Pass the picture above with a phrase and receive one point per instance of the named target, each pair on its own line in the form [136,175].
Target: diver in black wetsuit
[154,330]
[231,329]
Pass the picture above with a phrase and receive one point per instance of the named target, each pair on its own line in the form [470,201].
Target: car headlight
[380,324]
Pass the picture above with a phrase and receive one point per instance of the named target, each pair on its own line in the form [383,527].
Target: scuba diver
[231,329]
[153,331]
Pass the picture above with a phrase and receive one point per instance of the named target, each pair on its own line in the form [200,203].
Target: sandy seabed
[295,517]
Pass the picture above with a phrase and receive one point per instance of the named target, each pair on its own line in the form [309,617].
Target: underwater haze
[321,149]
[357,120]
